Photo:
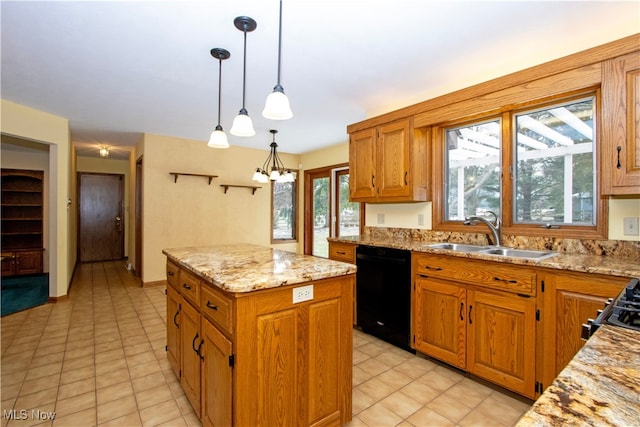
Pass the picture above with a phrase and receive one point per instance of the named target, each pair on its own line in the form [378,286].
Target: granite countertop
[607,265]
[600,386]
[247,267]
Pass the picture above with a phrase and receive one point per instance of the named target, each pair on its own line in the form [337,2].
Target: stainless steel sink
[498,251]
[458,247]
[519,253]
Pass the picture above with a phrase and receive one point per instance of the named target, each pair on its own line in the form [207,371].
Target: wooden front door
[101,217]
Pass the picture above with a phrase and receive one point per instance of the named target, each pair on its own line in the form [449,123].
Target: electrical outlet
[303,293]
[630,226]
[381,218]
[420,219]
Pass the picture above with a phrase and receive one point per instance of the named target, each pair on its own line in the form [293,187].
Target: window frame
[509,227]
[294,213]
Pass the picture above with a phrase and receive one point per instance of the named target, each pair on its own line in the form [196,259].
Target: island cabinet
[569,300]
[345,252]
[621,125]
[388,163]
[478,316]
[259,358]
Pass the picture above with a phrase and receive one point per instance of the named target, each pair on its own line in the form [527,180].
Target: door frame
[139,218]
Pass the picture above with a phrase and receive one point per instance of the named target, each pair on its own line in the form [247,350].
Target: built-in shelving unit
[177,174]
[22,219]
[253,188]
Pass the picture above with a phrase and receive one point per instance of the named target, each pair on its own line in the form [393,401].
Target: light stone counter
[622,266]
[599,387]
[247,267]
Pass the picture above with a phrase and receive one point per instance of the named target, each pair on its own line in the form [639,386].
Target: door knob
[118,222]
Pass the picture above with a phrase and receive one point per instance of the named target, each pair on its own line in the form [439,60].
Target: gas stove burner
[624,311]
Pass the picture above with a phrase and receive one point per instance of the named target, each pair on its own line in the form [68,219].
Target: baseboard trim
[61,298]
[152,284]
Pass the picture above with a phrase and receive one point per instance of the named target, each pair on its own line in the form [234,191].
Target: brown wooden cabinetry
[345,252]
[257,358]
[388,163]
[462,318]
[173,329]
[621,125]
[569,300]
[22,217]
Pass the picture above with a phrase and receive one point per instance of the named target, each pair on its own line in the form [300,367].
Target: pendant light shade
[273,169]
[218,138]
[242,124]
[277,106]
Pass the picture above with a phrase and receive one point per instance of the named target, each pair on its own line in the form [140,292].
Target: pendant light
[218,138]
[242,124]
[277,106]
[273,169]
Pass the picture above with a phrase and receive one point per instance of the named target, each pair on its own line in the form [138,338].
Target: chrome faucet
[494,225]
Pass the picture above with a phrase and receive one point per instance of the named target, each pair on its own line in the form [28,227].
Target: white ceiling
[117,69]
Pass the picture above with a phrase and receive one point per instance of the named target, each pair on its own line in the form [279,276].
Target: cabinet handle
[198,350]
[341,253]
[497,279]
[405,178]
[175,316]
[461,308]
[619,165]
[470,308]
[170,273]
[187,287]
[193,343]
[211,306]
[433,268]
[373,184]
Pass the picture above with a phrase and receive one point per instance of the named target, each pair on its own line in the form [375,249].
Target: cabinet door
[570,299]
[362,165]
[190,342]
[501,340]
[173,329]
[439,326]
[28,262]
[217,377]
[292,357]
[393,147]
[8,264]
[621,125]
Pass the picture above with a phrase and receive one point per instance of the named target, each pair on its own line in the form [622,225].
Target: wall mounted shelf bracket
[226,187]
[177,174]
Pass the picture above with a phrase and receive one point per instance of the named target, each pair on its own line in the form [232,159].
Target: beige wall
[27,123]
[191,212]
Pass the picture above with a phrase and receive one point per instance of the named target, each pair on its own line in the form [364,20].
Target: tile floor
[99,358]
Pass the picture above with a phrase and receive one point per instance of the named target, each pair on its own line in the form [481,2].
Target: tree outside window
[283,212]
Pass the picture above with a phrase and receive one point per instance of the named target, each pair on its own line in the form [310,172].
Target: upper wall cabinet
[621,125]
[388,163]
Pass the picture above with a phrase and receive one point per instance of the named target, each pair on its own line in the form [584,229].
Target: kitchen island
[600,386]
[259,336]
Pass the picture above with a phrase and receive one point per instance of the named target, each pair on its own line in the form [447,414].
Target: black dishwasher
[383,293]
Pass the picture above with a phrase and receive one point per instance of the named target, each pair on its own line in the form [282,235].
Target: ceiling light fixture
[104,151]
[218,138]
[273,168]
[277,106]
[242,124]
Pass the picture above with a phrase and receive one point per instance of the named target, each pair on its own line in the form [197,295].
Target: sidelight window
[283,212]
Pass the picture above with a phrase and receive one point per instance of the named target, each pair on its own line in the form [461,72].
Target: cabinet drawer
[345,252]
[216,307]
[172,274]
[494,275]
[190,287]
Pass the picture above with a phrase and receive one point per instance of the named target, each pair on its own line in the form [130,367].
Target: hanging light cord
[219,90]
[244,69]
[279,44]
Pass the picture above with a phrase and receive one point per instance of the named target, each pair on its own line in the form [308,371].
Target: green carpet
[20,293]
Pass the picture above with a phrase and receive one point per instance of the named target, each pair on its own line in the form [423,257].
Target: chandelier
[273,169]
